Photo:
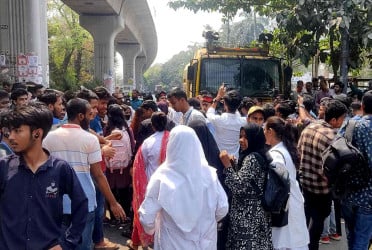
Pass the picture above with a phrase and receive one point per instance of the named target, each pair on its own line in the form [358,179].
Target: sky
[178,29]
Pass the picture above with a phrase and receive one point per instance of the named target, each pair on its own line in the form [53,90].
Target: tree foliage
[170,73]
[70,48]
[303,23]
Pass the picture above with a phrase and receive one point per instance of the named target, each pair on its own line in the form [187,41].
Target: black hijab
[210,148]
[256,142]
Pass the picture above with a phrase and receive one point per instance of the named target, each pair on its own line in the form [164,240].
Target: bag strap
[349,129]
[275,150]
[253,183]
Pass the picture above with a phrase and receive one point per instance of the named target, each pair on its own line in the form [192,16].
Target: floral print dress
[249,225]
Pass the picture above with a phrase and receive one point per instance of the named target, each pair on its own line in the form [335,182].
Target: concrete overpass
[123,25]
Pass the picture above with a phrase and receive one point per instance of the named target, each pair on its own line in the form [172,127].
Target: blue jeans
[359,226]
[98,221]
[86,237]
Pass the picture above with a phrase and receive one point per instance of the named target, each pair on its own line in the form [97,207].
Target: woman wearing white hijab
[184,199]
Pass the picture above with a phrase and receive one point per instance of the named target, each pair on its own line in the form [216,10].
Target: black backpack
[276,192]
[345,167]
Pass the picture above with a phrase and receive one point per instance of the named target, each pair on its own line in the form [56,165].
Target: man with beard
[53,100]
[84,155]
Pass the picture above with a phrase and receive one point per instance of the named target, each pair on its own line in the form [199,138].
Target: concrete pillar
[104,30]
[129,52]
[23,30]
[138,69]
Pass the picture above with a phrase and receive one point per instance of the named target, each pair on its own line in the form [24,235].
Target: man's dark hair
[232,100]
[102,93]
[19,85]
[159,121]
[36,115]
[268,110]
[4,94]
[340,84]
[17,93]
[367,102]
[87,94]
[68,95]
[75,107]
[177,93]
[334,109]
[6,82]
[194,102]
[49,97]
[284,109]
[308,102]
[149,104]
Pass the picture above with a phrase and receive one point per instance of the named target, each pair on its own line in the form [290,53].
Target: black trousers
[317,208]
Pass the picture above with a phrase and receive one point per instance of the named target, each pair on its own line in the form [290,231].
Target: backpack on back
[344,165]
[276,192]
[122,155]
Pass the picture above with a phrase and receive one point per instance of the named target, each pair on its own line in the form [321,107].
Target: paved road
[114,234]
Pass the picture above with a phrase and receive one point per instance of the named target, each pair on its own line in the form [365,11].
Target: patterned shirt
[362,135]
[314,139]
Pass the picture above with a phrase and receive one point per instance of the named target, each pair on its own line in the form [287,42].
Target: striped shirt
[314,139]
[80,149]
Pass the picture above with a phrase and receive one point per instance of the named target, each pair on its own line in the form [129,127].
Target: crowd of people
[176,172]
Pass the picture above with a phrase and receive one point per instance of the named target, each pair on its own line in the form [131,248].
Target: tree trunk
[78,65]
[345,50]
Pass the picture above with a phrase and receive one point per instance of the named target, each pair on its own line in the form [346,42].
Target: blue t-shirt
[95,124]
[31,204]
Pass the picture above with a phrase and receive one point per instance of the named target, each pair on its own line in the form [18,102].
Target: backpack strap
[275,150]
[253,183]
[349,129]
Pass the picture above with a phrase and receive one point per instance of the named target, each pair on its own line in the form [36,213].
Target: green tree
[302,23]
[152,77]
[170,73]
[70,48]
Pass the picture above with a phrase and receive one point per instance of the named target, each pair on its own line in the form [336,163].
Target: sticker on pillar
[32,71]
[22,70]
[33,61]
[22,60]
[2,60]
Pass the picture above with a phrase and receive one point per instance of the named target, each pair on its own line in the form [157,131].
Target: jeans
[86,236]
[358,222]
[317,208]
[98,221]
[332,224]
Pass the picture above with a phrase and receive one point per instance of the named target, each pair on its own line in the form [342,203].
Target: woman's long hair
[137,119]
[256,142]
[286,133]
[116,119]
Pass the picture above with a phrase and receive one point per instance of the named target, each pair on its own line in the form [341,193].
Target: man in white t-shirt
[227,126]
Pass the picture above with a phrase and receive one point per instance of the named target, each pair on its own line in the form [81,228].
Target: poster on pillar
[2,61]
[29,69]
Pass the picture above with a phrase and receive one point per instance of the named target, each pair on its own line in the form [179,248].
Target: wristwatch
[216,100]
[302,106]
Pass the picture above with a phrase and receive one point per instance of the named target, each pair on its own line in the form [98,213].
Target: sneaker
[335,236]
[325,240]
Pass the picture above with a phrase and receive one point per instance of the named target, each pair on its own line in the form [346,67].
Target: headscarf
[210,148]
[256,142]
[182,178]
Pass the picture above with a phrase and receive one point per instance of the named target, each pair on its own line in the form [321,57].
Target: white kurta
[184,198]
[294,235]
